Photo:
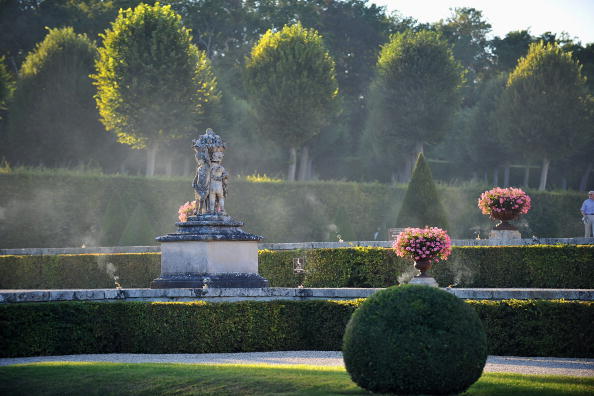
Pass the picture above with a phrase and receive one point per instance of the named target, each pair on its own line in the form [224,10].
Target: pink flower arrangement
[431,244]
[504,200]
[187,209]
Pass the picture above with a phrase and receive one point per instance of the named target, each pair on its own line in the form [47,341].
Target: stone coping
[272,293]
[300,245]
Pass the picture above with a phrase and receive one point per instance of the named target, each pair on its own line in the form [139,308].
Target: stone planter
[423,278]
[505,218]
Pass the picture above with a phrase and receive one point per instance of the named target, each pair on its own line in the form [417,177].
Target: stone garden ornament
[209,248]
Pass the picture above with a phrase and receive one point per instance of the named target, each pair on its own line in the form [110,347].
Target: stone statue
[201,181]
[210,182]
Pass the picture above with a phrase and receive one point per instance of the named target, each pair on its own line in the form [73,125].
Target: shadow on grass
[60,378]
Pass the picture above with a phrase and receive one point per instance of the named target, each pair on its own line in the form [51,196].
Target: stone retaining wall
[299,245]
[273,293]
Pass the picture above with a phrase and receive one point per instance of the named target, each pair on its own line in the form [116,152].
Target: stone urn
[423,266]
[505,218]
[423,278]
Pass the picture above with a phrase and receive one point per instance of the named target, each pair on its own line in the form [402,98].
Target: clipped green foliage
[414,340]
[538,266]
[139,230]
[53,118]
[113,221]
[414,93]
[281,212]
[540,328]
[153,84]
[79,271]
[291,83]
[422,204]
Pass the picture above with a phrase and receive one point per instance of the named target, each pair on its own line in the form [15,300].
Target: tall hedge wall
[560,266]
[540,266]
[67,209]
[520,328]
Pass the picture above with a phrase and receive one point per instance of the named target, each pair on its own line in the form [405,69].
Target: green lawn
[199,379]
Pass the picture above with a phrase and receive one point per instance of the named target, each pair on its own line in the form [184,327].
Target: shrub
[527,328]
[94,209]
[422,205]
[79,271]
[541,266]
[414,339]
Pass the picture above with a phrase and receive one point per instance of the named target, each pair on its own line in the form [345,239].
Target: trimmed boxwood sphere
[414,339]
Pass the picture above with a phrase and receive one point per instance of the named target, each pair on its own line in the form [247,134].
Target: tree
[466,31]
[292,89]
[414,94]
[52,118]
[153,84]
[509,49]
[421,206]
[6,86]
[545,107]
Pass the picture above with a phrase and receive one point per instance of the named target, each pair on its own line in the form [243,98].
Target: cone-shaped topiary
[422,206]
[414,339]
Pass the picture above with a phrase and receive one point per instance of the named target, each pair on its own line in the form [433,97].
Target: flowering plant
[187,209]
[423,244]
[504,200]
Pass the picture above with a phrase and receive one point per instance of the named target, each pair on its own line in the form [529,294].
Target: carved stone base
[209,250]
[424,280]
[503,235]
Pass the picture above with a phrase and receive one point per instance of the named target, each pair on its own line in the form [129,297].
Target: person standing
[587,210]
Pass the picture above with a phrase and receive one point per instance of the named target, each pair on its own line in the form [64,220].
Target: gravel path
[501,364]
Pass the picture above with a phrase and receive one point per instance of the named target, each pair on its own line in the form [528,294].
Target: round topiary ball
[414,339]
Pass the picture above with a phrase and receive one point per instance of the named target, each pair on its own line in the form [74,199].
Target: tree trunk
[292,164]
[505,175]
[151,159]
[564,183]
[303,163]
[526,177]
[585,177]
[495,177]
[169,167]
[310,172]
[544,173]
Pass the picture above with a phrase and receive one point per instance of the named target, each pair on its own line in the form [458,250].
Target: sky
[575,17]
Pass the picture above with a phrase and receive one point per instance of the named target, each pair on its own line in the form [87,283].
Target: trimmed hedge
[79,271]
[63,209]
[524,328]
[538,266]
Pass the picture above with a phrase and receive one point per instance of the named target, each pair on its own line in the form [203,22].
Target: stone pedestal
[209,250]
[424,280]
[504,235]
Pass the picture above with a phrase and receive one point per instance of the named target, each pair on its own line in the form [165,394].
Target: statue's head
[211,142]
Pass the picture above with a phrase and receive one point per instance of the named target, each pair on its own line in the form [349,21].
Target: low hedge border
[522,328]
[535,266]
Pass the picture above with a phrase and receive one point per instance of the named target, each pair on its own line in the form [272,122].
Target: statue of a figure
[201,181]
[210,182]
[218,183]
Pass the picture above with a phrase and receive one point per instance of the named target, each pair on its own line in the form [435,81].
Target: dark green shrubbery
[95,209]
[79,271]
[414,339]
[540,266]
[422,205]
[526,328]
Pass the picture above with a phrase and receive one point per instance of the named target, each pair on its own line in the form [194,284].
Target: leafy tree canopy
[415,92]
[153,84]
[291,84]
[53,119]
